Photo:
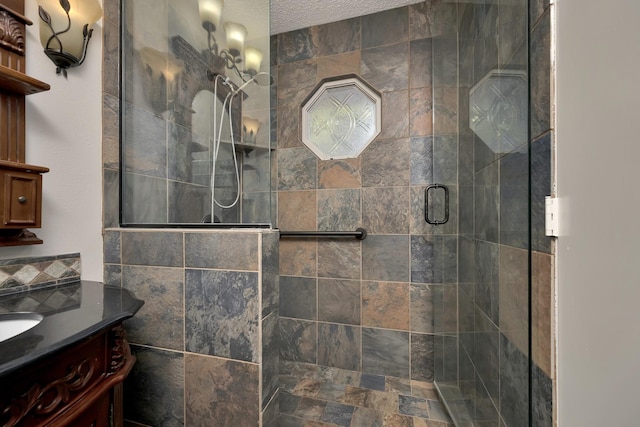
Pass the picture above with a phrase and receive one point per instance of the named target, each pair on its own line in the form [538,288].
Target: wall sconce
[250,128]
[65,30]
[161,71]
[232,56]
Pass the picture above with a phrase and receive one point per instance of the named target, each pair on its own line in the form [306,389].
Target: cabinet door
[96,415]
[21,199]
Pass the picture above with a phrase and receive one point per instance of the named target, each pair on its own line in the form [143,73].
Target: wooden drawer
[21,199]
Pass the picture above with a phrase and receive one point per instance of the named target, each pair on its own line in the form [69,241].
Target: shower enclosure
[195,131]
[481,78]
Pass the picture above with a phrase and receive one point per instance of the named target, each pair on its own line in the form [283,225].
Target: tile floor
[316,396]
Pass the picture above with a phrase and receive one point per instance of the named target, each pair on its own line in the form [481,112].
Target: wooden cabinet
[20,183]
[79,386]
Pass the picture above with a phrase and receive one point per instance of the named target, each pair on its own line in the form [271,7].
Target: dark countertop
[71,313]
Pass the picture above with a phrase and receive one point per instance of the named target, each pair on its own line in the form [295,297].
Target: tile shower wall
[206,337]
[368,305]
[205,341]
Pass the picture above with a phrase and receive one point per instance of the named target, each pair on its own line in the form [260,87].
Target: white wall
[64,134]
[598,148]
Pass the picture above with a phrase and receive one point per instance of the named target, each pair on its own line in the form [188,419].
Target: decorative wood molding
[120,350]
[11,33]
[43,400]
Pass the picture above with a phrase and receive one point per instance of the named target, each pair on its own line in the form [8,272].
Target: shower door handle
[427,191]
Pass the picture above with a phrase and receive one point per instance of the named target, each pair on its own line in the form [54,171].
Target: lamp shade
[252,60]
[236,33]
[80,13]
[250,128]
[210,12]
[161,63]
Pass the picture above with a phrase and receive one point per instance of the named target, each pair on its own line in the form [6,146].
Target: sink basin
[12,324]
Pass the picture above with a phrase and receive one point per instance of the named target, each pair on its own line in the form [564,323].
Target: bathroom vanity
[68,369]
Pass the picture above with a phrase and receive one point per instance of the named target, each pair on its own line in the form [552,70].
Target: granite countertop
[72,312]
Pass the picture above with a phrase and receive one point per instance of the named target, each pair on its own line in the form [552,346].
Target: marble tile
[339,258]
[542,272]
[540,75]
[373,382]
[288,402]
[157,248]
[297,169]
[339,301]
[228,251]
[445,301]
[437,411]
[413,406]
[338,209]
[385,258]
[189,203]
[536,10]
[445,110]
[298,297]
[421,63]
[296,80]
[222,314]
[398,385]
[271,413]
[385,305]
[379,400]
[338,414]
[179,153]
[486,204]
[144,201]
[386,68]
[270,272]
[112,247]
[383,28]
[297,340]
[111,199]
[445,62]
[222,392]
[296,45]
[339,65]
[298,258]
[514,384]
[297,210]
[386,163]
[288,125]
[385,352]
[110,131]
[512,28]
[445,159]
[385,210]
[339,346]
[426,259]
[486,357]
[432,19]
[310,409]
[339,173]
[542,399]
[487,290]
[514,199]
[422,163]
[146,136]
[422,309]
[395,115]
[154,390]
[514,296]
[422,357]
[337,37]
[421,112]
[365,417]
[270,357]
[160,321]
[112,275]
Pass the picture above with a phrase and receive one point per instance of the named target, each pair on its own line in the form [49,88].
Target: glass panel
[195,145]
[480,93]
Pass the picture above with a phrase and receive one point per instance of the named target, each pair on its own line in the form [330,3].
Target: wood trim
[19,83]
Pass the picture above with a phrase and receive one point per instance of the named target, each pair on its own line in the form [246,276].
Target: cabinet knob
[22,199]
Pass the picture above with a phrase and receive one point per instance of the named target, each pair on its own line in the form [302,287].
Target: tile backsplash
[21,274]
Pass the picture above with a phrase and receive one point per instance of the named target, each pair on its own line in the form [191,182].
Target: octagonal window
[498,109]
[341,117]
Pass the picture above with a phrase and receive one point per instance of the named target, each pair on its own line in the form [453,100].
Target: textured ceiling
[287,15]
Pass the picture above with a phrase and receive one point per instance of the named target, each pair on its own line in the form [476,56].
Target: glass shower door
[480,94]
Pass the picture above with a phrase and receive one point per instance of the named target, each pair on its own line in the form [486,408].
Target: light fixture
[65,30]
[250,128]
[232,55]
[161,70]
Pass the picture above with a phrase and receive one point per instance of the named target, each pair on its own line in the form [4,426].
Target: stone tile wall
[368,305]
[23,274]
[206,338]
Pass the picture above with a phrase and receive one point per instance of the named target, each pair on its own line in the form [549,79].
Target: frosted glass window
[340,118]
